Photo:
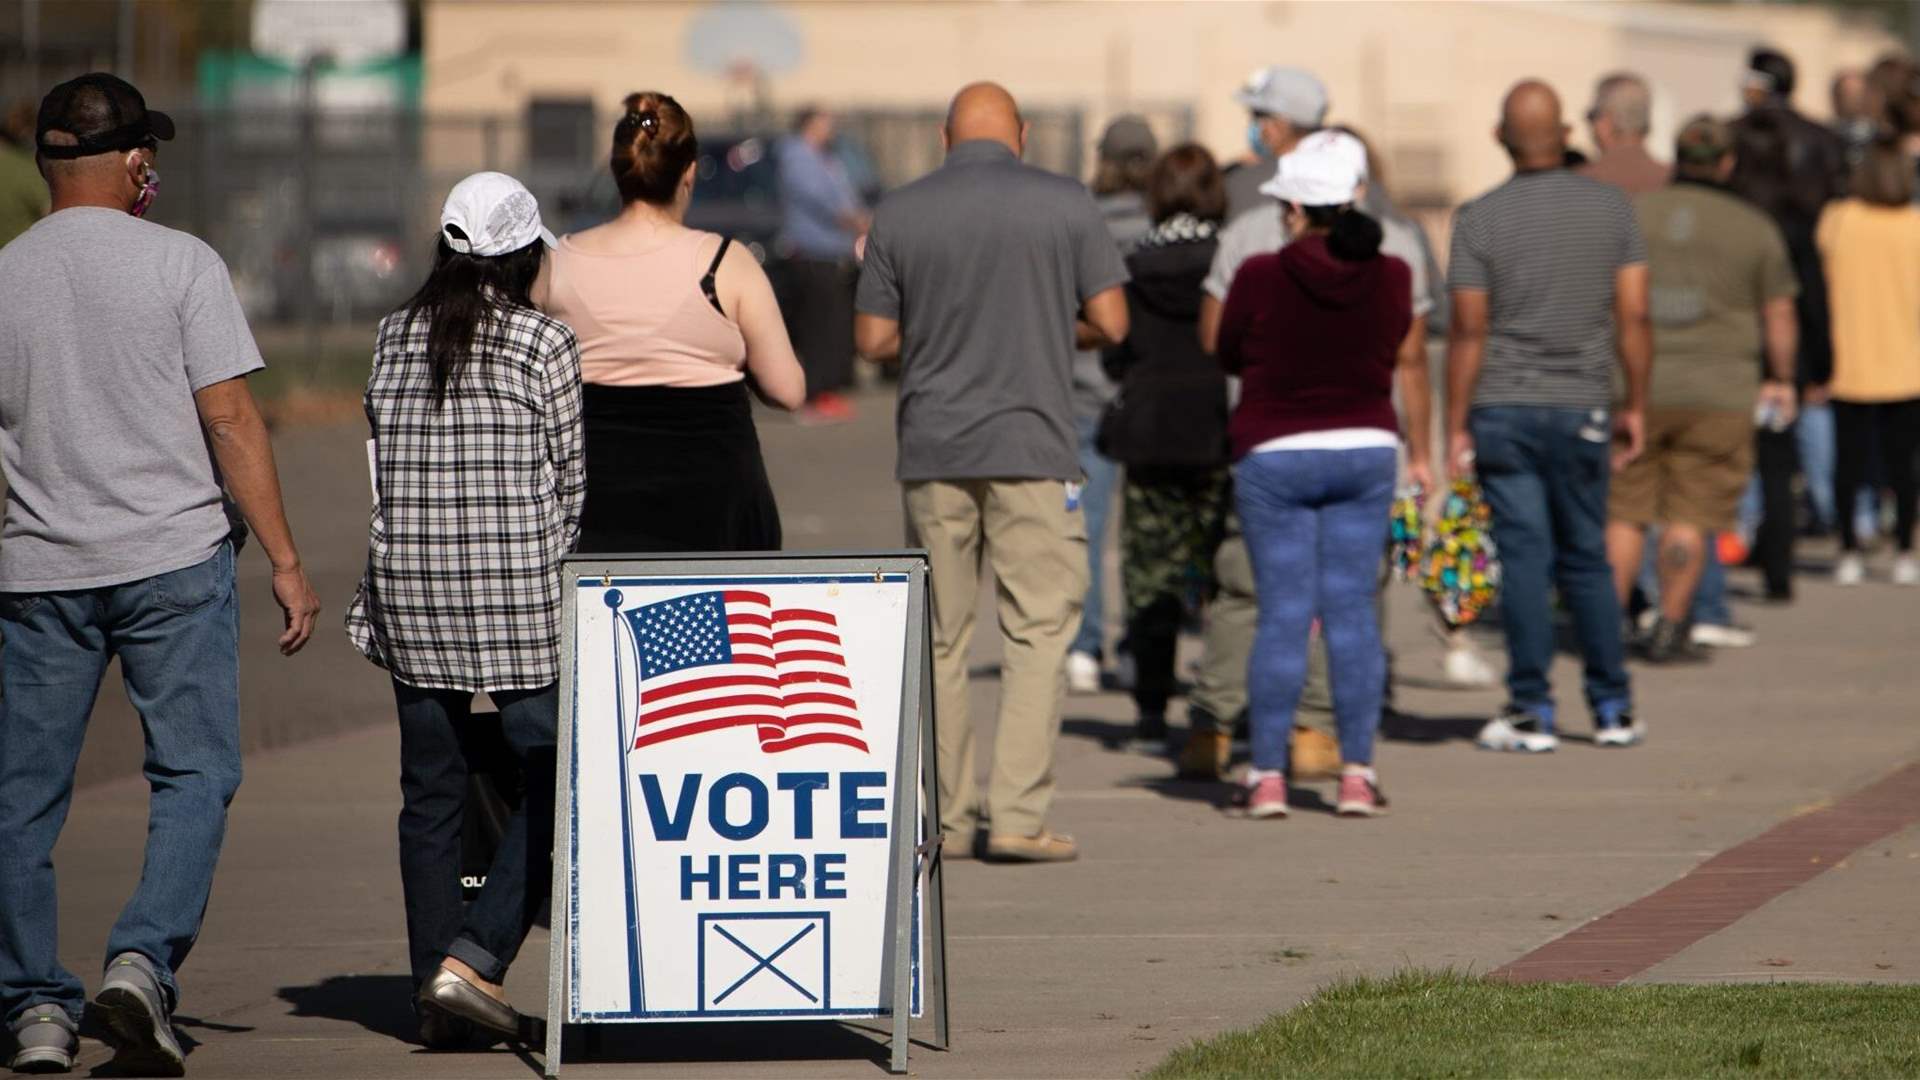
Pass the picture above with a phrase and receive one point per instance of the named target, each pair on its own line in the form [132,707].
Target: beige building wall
[1422,78]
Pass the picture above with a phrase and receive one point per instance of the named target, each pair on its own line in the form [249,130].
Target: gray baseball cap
[1129,136]
[1289,92]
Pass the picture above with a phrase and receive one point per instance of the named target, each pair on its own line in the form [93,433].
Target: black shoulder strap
[706,283]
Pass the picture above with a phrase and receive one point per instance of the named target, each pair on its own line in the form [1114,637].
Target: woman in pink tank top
[674,325]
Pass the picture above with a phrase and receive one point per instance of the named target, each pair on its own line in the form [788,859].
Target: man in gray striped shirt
[1549,282]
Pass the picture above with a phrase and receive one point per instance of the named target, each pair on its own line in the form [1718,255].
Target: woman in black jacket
[1168,426]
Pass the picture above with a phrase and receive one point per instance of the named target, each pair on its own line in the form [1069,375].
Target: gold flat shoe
[451,995]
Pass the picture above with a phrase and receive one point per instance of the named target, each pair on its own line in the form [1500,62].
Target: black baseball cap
[104,112]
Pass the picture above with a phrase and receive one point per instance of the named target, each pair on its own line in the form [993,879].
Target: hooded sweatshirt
[1173,396]
[1314,340]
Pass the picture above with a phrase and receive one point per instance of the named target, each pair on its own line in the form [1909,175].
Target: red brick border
[1717,893]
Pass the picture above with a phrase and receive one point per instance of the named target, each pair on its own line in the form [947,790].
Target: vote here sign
[733,796]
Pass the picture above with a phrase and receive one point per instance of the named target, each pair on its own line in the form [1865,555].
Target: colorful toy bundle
[1407,536]
[1460,568]
[1455,561]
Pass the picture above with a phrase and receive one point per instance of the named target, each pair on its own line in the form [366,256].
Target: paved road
[1177,923]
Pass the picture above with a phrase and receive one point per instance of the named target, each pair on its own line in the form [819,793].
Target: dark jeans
[818,302]
[1775,457]
[1315,524]
[433,788]
[1898,426]
[176,635]
[1545,473]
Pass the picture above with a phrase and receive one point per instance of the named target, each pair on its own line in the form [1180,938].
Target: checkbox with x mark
[770,963]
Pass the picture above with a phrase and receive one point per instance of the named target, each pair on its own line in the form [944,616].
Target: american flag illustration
[715,660]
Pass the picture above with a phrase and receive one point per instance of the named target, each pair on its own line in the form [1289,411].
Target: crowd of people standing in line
[1243,353]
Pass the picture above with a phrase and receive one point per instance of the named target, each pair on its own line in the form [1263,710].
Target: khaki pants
[1037,547]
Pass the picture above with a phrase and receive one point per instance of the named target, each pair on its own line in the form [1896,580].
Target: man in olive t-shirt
[1722,292]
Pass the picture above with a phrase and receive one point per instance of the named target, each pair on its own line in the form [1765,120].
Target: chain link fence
[327,218]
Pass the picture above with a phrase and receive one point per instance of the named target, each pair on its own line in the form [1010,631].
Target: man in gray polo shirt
[981,278]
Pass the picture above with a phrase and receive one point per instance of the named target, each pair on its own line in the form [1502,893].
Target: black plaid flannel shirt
[478,500]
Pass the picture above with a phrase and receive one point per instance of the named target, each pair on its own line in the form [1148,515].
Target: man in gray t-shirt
[981,278]
[122,407]
[1549,280]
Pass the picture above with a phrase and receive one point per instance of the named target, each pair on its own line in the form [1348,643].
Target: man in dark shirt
[1790,167]
[1549,279]
[981,278]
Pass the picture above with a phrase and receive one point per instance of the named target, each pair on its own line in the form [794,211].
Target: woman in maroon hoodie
[1317,333]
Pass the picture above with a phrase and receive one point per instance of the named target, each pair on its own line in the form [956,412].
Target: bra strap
[707,283]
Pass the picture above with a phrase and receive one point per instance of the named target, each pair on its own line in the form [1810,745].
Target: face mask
[149,187]
[1256,141]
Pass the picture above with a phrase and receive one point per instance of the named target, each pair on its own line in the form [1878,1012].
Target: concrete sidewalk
[1176,924]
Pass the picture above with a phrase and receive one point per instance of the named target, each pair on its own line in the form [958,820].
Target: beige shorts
[1696,465]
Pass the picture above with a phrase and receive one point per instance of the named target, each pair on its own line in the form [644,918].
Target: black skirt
[674,470]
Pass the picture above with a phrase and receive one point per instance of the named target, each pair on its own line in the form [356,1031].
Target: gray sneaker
[47,1040]
[134,1009]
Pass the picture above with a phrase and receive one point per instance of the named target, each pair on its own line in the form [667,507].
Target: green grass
[1434,1024]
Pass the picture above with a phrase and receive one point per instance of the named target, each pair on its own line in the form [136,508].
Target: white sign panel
[346,31]
[732,767]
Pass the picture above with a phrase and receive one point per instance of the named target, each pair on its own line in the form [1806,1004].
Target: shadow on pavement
[1112,734]
[725,1042]
[1412,727]
[380,1003]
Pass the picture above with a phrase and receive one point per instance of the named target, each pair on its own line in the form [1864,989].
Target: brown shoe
[1046,847]
[1315,755]
[953,848]
[1206,755]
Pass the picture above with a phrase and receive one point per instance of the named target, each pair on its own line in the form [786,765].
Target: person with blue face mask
[1286,105]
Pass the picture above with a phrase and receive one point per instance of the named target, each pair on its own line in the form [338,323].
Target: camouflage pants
[1172,523]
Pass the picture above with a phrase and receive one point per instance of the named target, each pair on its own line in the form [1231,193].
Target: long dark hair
[1351,235]
[463,293]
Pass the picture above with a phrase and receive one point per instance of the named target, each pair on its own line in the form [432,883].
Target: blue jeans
[1315,524]
[1096,502]
[1813,437]
[487,934]
[1545,473]
[177,637]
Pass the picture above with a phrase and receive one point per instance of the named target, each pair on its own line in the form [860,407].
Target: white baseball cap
[1326,169]
[1290,92]
[491,213]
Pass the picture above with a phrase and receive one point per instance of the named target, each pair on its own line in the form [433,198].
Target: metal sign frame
[915,757]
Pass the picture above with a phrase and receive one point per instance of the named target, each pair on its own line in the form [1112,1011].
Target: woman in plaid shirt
[474,403]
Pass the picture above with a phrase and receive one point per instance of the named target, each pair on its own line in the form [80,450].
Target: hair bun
[653,147]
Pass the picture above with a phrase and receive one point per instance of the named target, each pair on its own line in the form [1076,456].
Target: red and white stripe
[818,695]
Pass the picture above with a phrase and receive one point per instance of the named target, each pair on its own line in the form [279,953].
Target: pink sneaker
[1360,797]
[1267,797]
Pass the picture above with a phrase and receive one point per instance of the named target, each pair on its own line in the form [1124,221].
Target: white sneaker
[1083,673]
[1906,571]
[1850,570]
[1466,668]
[1516,732]
[1714,636]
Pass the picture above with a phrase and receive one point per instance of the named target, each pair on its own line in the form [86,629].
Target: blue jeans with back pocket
[177,638]
[1545,473]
